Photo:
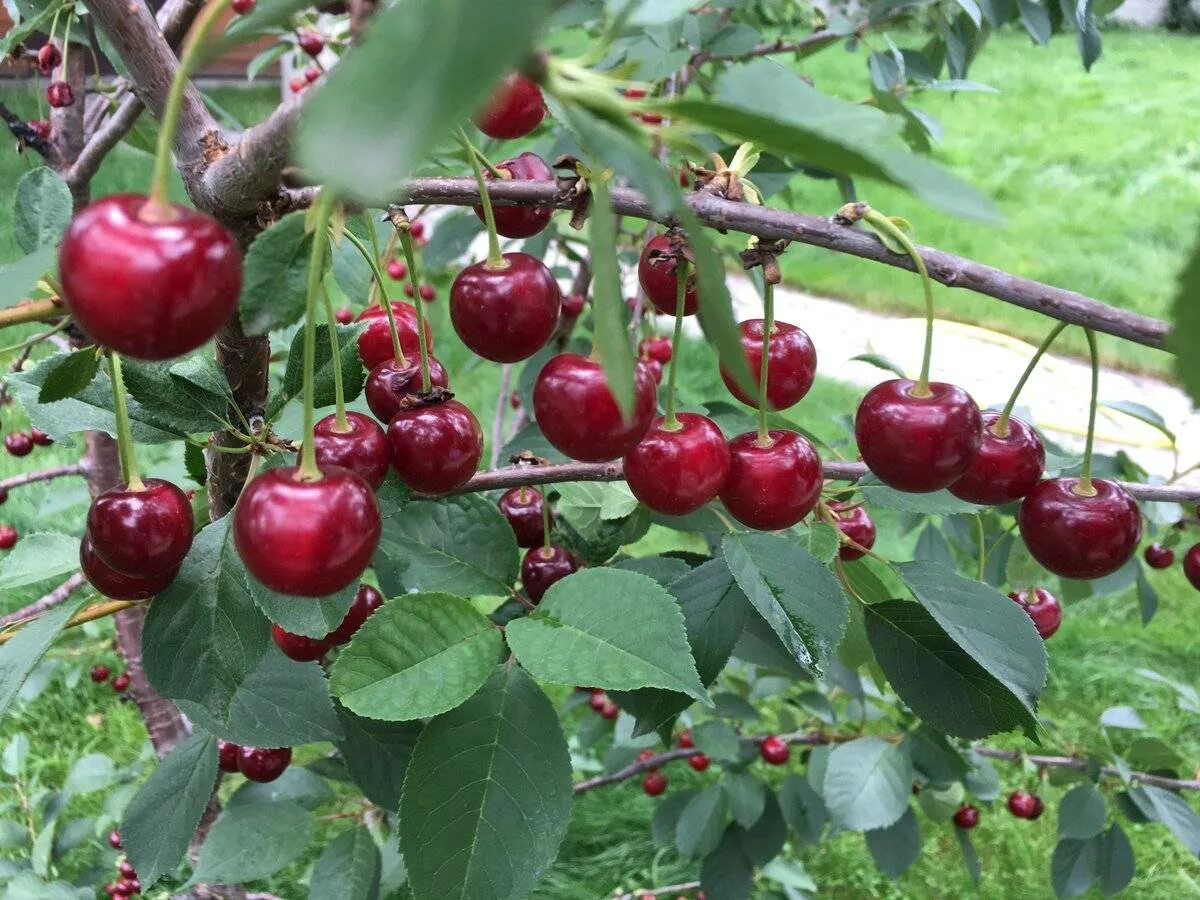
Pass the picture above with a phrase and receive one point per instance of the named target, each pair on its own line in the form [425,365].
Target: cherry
[41,128]
[125,867]
[344,315]
[774,486]
[18,443]
[8,537]
[578,413]
[655,368]
[645,755]
[128,887]
[363,448]
[262,764]
[774,750]
[1006,467]
[396,269]
[855,523]
[515,108]
[656,348]
[1159,557]
[677,472]
[966,817]
[59,94]
[572,306]
[505,315]
[917,444]
[1080,537]
[543,566]
[100,674]
[427,292]
[48,57]
[654,784]
[298,646]
[699,762]
[609,710]
[1024,805]
[227,756]
[375,343]
[117,585]
[417,229]
[522,506]
[521,221]
[390,382]
[685,740]
[297,84]
[241,7]
[1191,565]
[121,683]
[656,273]
[306,538]
[141,533]
[635,93]
[597,700]
[366,601]
[1042,607]
[312,74]
[114,840]
[792,368]
[40,437]
[149,286]
[514,400]
[311,43]
[436,443]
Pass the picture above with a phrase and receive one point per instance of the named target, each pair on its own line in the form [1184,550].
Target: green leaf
[263,19]
[608,628]
[20,654]
[1087,33]
[1036,20]
[348,869]
[662,825]
[1142,413]
[309,616]
[896,847]
[764,840]
[1147,598]
[18,278]
[717,739]
[89,774]
[487,796]
[803,809]
[377,754]
[868,784]
[1074,866]
[938,503]
[702,823]
[174,402]
[253,841]
[41,209]
[297,785]
[324,384]
[28,24]
[37,557]
[727,873]
[747,797]
[970,857]
[162,817]
[68,374]
[880,361]
[663,569]
[587,504]
[275,276]
[1173,811]
[1117,866]
[264,58]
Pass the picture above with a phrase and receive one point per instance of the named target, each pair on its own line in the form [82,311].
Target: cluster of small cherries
[1022,804]
[100,674]
[774,751]
[127,885]
[312,44]
[19,443]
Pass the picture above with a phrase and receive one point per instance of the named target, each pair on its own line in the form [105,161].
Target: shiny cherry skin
[60,95]
[918,444]
[966,817]
[522,507]
[375,343]
[18,443]
[699,762]
[99,674]
[572,306]
[40,437]
[1023,804]
[48,56]
[227,756]
[855,523]
[1159,557]
[657,275]
[146,288]
[505,314]
[121,683]
[1006,468]
[262,764]
[311,43]
[1042,607]
[8,537]
[363,448]
[521,221]
[1080,537]
[306,538]
[774,750]
[298,646]
[658,349]
[677,472]
[792,366]
[774,486]
[515,108]
[142,533]
[579,415]
[366,601]
[543,566]
[390,382]
[654,784]
[436,447]
[1191,565]
[117,585]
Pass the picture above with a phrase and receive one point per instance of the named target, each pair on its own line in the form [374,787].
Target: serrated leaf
[868,784]
[275,276]
[41,209]
[1173,811]
[717,739]
[324,384]
[348,868]
[880,362]
[377,754]
[727,873]
[1081,813]
[1074,866]
[88,774]
[309,616]
[297,784]
[177,404]
[68,374]
[803,809]
[747,797]
[701,823]
[251,842]
[1142,413]
[588,503]
[937,503]
[37,557]
[663,569]
[896,847]
[20,654]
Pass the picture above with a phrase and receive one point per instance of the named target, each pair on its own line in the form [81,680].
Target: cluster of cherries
[1022,804]
[312,44]
[544,563]
[774,751]
[127,884]
[261,764]
[19,443]
[100,674]
[1159,557]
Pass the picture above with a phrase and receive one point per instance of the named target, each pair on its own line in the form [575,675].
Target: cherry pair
[600,702]
[1025,805]
[306,649]
[259,764]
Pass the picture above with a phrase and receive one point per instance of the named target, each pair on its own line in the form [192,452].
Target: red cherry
[597,700]
[142,533]
[120,684]
[125,867]
[514,400]
[515,108]
[651,118]
[41,128]
[48,57]
[699,762]
[774,750]
[656,348]
[390,382]
[241,7]
[522,506]
[1038,809]
[635,93]
[1006,467]
[363,448]
[1191,565]
[645,755]
[775,486]
[117,585]
[8,537]
[578,413]
[149,289]
[917,444]
[521,221]
[1159,557]
[656,273]
[100,674]
[677,472]
[792,367]
[375,343]
[344,315]
[408,290]
[505,315]
[312,74]
[417,230]
[128,887]
[298,646]
[18,443]
[59,94]
[543,566]
[114,840]
[1022,804]
[262,764]
[436,446]
[655,368]
[306,538]
[396,269]
[856,524]
[427,292]
[966,817]
[40,437]
[685,740]
[311,43]
[1042,607]
[610,710]
[572,306]
[654,784]
[1080,537]
[227,756]
[366,601]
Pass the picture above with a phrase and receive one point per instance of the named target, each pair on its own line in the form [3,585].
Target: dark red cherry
[128,887]
[151,287]
[366,601]
[311,43]
[521,221]
[699,762]
[917,444]
[572,306]
[99,674]
[362,448]
[8,537]
[578,413]
[390,382]
[774,486]
[40,437]
[515,108]
[344,315]
[791,370]
[609,710]
[48,57]
[241,7]
[142,533]
[855,523]
[654,784]
[121,683]
[427,292]
[597,700]
[1191,565]
[1159,557]
[685,740]
[1080,537]
[542,566]
[1041,606]
[126,869]
[656,348]
[436,446]
[1023,804]
[417,229]
[677,472]
[262,764]
[117,585]
[966,817]
[18,443]
[656,273]
[1006,467]
[306,538]
[59,94]
[522,506]
[505,315]
[375,343]
[774,750]
[227,755]
[298,646]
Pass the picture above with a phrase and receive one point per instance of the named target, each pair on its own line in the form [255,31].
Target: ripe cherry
[100,674]
[241,7]
[121,683]
[1191,565]
[18,443]
[117,585]
[362,448]
[142,533]
[656,348]
[149,285]
[427,292]
[311,43]
[418,229]
[522,506]
[1076,536]
[646,755]
[515,108]
[966,817]
[918,444]
[128,887]
[773,486]
[699,762]
[59,94]
[521,221]
[1006,467]
[312,74]
[1024,805]
[390,382]
[114,840]
[40,437]
[572,306]
[597,700]
[1159,557]
[344,315]
[375,343]
[125,867]
[505,315]
[48,57]
[227,756]
[657,275]
[306,538]
[366,601]
[396,269]
[579,415]
[436,443]
[685,740]
[677,472]
[1042,607]
[8,537]
[774,750]
[262,764]
[792,366]
[655,368]
[298,646]
[543,566]
[609,710]
[855,523]
[654,784]
[297,85]
[514,399]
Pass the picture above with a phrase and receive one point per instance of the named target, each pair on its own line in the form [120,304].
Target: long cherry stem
[1000,428]
[410,257]
[339,397]
[764,433]
[670,421]
[125,449]
[397,350]
[495,260]
[309,470]
[1084,487]
[545,517]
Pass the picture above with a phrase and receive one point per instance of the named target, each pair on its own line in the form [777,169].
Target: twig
[49,601]
[660,891]
[25,478]
[91,614]
[1071,762]
[814,41]
[501,411]
[31,311]
[26,135]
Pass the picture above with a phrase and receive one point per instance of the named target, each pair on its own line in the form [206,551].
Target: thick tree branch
[238,181]
[21,131]
[31,311]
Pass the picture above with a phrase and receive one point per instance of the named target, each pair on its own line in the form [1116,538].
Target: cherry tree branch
[24,478]
[813,42]
[49,601]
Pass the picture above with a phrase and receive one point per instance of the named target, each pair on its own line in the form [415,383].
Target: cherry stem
[66,41]
[1000,426]
[377,273]
[670,422]
[545,518]
[410,257]
[884,225]
[488,164]
[1085,488]
[343,424]
[764,433]
[309,470]
[495,260]
[125,448]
